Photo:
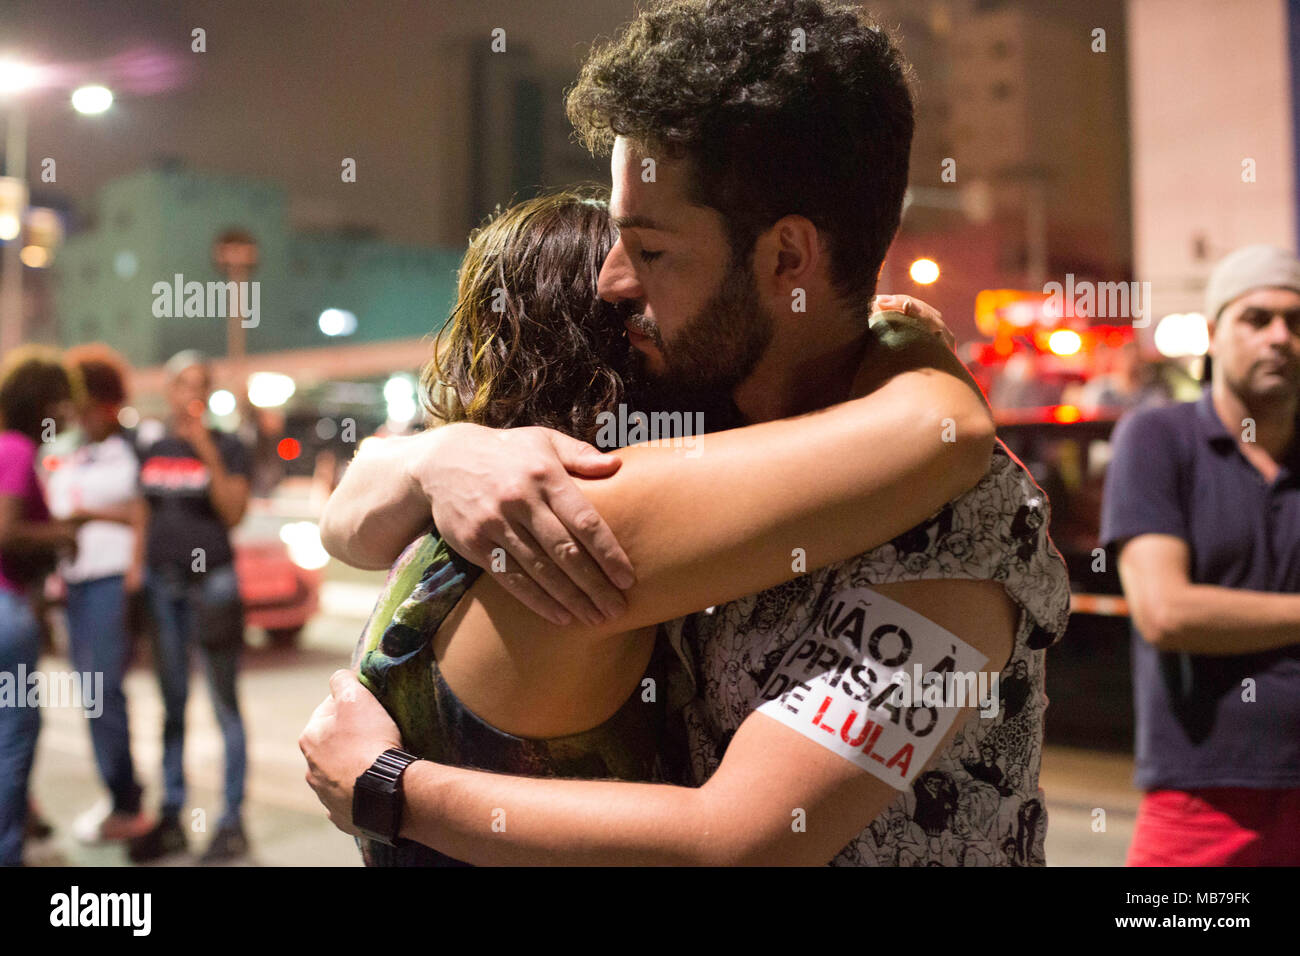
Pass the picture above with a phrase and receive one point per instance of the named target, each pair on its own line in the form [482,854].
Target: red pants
[1220,826]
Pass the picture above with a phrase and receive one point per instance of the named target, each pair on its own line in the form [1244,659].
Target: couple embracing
[644,656]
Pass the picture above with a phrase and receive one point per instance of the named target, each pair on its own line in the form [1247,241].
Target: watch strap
[377,796]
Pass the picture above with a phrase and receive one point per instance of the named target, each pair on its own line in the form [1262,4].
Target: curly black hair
[33,381]
[781,106]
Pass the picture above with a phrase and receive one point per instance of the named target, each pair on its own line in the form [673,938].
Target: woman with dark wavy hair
[531,343]
[35,399]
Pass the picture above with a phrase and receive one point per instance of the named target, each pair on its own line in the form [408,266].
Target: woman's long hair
[530,342]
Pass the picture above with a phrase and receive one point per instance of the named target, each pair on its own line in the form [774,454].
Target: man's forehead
[648,191]
[1267,298]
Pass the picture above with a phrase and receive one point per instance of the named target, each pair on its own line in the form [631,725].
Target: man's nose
[617,281]
[1280,332]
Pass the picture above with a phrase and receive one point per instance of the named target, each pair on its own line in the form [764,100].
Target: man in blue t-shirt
[1202,505]
[195,481]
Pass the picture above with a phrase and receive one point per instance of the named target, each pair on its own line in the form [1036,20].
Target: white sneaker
[88,827]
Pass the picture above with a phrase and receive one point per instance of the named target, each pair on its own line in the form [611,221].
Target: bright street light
[1182,335]
[16,77]
[337,322]
[1065,342]
[90,100]
[270,389]
[924,271]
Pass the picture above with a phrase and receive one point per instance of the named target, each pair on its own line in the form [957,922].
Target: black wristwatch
[377,797]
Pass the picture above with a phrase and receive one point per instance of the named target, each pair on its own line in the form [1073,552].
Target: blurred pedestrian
[35,394]
[99,483]
[196,483]
[1202,503]
[1122,382]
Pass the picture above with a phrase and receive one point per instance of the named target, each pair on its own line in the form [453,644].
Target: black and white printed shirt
[979,803]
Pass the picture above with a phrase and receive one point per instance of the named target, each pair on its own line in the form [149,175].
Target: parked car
[279,595]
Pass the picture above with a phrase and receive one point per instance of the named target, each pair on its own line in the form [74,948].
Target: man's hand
[506,493]
[190,428]
[930,317]
[344,736]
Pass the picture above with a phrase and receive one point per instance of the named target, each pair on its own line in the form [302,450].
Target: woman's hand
[929,316]
[344,736]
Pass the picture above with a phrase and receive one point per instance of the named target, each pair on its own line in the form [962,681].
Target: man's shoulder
[1160,438]
[1167,420]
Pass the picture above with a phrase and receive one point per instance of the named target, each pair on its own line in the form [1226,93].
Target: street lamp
[234,253]
[92,100]
[924,271]
[17,78]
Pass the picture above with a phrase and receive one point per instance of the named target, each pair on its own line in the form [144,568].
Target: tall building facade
[1215,94]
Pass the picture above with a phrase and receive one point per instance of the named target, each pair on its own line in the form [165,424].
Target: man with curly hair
[759,156]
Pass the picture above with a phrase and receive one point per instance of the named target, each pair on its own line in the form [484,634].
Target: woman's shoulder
[15,442]
[17,453]
[896,343]
[422,587]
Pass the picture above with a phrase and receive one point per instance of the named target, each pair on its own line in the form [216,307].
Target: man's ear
[788,255]
[1211,325]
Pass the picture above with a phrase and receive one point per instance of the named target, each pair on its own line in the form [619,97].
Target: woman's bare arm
[18,534]
[762,504]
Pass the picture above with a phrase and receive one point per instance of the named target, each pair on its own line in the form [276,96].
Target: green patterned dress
[394,659]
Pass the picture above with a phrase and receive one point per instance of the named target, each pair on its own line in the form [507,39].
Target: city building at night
[152,226]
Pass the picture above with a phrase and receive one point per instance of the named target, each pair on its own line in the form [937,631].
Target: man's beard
[1256,394]
[713,353]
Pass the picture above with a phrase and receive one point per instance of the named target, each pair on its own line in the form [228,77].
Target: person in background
[1202,505]
[1122,382]
[98,484]
[35,399]
[195,481]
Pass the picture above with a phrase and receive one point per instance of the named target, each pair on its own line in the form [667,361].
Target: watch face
[374,808]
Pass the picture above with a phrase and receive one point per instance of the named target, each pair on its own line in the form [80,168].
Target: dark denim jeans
[185,608]
[97,643]
[20,645]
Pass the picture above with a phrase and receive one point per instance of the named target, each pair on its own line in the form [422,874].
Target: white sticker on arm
[859,684]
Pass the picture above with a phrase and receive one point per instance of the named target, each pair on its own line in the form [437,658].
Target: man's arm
[1173,614]
[140,526]
[227,490]
[116,514]
[743,815]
